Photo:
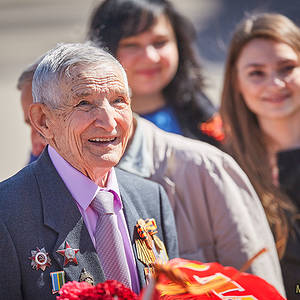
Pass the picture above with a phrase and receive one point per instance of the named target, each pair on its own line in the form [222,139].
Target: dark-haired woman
[155,45]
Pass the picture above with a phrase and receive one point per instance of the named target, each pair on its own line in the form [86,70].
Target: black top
[289,179]
[289,174]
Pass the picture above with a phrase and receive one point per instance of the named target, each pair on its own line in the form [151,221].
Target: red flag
[196,280]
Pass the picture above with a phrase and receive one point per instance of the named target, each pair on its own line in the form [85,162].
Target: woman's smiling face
[268,77]
[150,58]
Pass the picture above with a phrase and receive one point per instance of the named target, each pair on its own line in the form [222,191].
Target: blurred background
[28,28]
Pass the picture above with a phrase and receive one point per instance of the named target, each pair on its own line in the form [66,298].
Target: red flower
[213,127]
[73,290]
[108,290]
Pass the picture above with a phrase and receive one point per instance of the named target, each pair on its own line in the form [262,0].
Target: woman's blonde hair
[244,138]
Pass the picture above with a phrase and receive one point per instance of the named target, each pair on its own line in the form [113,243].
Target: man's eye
[118,100]
[82,103]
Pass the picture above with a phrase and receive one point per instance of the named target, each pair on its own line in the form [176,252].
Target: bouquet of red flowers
[108,290]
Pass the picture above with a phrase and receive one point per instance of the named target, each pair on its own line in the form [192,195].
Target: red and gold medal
[69,254]
[40,259]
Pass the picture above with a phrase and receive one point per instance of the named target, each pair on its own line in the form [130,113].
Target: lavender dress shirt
[83,191]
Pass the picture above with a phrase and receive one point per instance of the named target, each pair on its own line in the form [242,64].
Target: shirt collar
[80,186]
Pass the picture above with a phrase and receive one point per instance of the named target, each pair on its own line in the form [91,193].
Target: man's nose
[105,118]
[152,53]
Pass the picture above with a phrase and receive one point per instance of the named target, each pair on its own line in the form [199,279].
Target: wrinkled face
[37,142]
[150,58]
[91,126]
[268,74]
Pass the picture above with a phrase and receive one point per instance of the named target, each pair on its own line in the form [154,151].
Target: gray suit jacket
[37,210]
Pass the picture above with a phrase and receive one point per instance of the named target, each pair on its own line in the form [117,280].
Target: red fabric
[245,287]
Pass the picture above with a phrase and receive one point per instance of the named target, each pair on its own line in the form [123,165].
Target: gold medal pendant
[150,249]
[160,246]
[149,272]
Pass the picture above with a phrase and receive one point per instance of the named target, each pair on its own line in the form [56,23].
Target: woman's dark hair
[117,19]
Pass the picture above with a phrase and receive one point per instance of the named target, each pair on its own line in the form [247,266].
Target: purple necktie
[108,240]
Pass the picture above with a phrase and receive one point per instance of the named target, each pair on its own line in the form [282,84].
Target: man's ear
[39,115]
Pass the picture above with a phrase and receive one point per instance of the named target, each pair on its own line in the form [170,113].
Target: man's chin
[103,162]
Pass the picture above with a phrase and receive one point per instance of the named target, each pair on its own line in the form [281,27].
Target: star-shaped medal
[69,254]
[40,259]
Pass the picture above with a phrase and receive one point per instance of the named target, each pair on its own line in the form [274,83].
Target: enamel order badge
[40,259]
[69,254]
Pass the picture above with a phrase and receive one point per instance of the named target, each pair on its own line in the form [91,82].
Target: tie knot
[104,203]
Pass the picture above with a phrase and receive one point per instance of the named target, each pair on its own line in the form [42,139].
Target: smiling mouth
[102,140]
[148,72]
[277,99]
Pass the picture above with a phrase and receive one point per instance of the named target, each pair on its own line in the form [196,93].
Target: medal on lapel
[57,280]
[86,276]
[150,248]
[40,259]
[69,254]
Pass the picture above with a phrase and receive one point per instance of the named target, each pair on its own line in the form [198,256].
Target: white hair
[56,65]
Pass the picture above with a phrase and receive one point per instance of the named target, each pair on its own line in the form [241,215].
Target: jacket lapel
[62,215]
[132,216]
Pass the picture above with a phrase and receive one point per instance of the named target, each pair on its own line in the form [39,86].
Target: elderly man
[218,215]
[71,215]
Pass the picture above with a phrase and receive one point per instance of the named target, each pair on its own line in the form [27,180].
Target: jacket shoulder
[132,181]
[17,195]
[17,182]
